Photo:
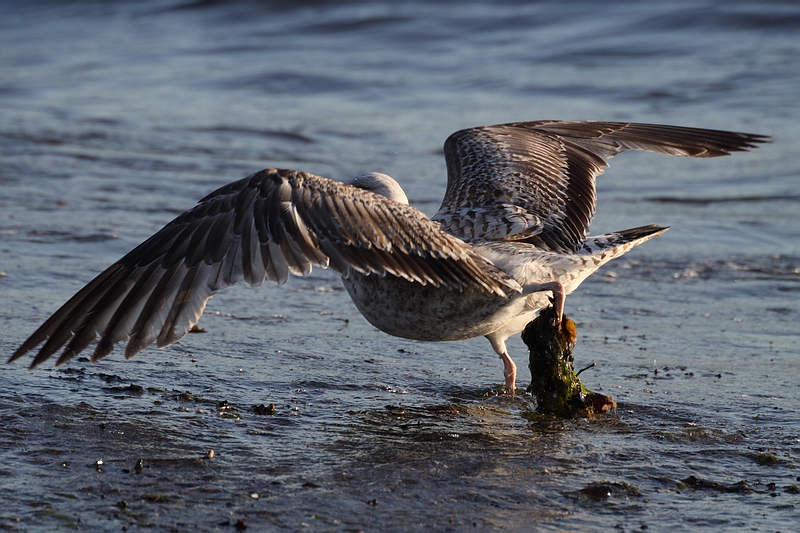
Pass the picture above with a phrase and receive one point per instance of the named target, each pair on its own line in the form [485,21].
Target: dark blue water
[115,117]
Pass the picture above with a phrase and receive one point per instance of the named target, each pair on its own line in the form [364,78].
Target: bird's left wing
[268,225]
[535,181]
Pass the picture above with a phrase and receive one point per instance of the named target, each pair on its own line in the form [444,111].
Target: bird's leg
[498,339]
[558,299]
[509,372]
[509,367]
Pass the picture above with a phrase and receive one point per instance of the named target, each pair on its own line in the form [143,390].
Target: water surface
[117,117]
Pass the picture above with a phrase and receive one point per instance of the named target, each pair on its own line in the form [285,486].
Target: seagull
[510,238]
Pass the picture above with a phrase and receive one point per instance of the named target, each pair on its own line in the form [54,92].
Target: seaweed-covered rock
[554,382]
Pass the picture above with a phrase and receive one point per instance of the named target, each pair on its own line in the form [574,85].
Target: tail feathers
[611,245]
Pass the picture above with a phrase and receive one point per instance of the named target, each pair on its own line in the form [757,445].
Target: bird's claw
[558,316]
[557,301]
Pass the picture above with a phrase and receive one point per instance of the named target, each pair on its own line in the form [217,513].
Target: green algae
[554,382]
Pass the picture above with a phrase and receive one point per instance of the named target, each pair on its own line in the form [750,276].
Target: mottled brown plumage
[513,226]
[535,181]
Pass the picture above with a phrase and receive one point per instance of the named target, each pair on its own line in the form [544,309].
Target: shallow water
[116,117]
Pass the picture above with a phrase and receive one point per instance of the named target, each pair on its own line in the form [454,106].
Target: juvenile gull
[510,236]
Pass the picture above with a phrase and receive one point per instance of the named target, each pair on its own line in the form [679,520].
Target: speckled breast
[427,313]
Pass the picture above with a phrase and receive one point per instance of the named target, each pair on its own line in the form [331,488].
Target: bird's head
[380,184]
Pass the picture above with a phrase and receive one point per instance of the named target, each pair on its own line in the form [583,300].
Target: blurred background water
[117,116]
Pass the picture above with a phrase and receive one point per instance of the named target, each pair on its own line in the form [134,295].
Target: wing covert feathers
[535,181]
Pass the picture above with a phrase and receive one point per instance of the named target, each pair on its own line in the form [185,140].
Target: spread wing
[535,181]
[267,225]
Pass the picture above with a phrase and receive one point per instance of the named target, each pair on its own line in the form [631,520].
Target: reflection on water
[117,117]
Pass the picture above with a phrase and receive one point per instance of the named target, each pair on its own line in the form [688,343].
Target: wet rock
[764,458]
[554,382]
[605,489]
[227,410]
[155,498]
[262,409]
[696,483]
[596,492]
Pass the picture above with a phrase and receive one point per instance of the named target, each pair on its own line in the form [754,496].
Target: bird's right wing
[268,225]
